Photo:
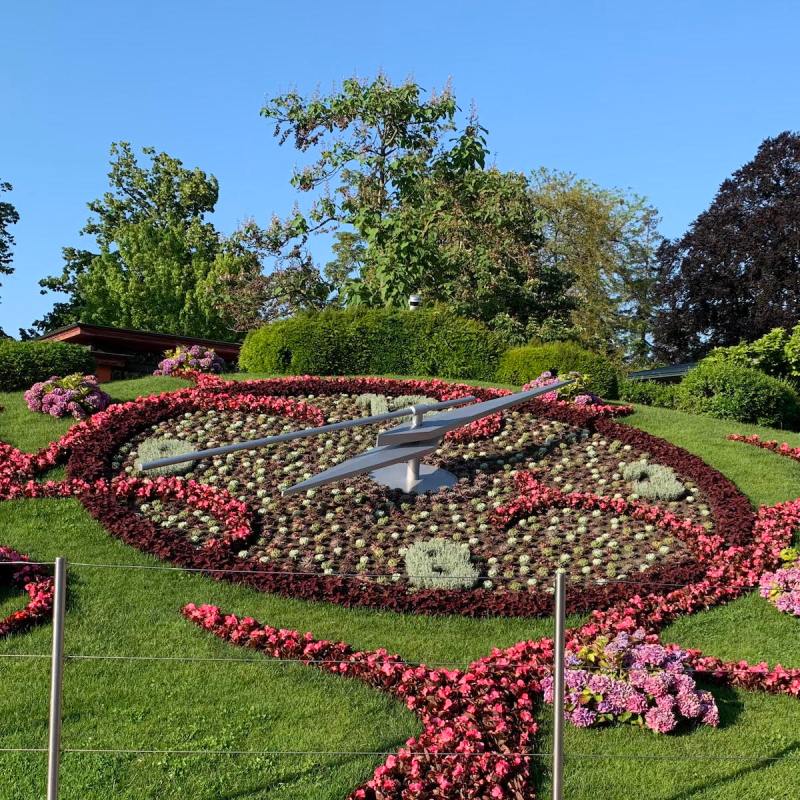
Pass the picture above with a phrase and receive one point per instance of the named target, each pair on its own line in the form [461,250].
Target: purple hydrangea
[782,588]
[76,395]
[196,357]
[576,392]
[630,679]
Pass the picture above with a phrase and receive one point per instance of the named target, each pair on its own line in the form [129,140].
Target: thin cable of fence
[419,753]
[352,575]
[263,659]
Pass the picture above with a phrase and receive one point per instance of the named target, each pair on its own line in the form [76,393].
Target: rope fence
[307,573]
[739,757]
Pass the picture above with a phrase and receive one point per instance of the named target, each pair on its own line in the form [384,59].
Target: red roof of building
[104,338]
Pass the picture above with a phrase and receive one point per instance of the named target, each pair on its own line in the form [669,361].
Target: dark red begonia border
[33,579]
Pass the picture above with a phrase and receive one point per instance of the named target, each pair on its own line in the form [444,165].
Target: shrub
[75,395]
[156,447]
[196,357]
[24,363]
[767,354]
[440,564]
[374,342]
[653,481]
[520,365]
[728,391]
[630,679]
[648,393]
[792,353]
[782,589]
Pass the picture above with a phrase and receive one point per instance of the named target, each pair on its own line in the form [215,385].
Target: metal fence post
[56,679]
[558,686]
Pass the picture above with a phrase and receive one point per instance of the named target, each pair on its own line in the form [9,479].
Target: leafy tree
[8,217]
[158,259]
[469,239]
[735,274]
[607,239]
[249,296]
[413,206]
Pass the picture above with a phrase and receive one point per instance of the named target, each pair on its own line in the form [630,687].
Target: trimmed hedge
[648,393]
[24,363]
[374,342]
[729,391]
[519,365]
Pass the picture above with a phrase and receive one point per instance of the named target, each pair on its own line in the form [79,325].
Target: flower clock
[553,484]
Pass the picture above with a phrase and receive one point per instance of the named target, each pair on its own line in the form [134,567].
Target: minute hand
[435,427]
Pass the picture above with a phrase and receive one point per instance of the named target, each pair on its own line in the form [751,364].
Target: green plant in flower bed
[157,447]
[358,527]
[380,403]
[440,564]
[653,481]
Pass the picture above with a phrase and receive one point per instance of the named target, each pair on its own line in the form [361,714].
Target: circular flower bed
[539,487]
[29,578]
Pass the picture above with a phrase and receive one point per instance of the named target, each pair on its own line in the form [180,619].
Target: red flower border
[478,724]
[33,579]
[783,449]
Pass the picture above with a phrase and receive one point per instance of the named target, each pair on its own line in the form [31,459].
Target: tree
[607,239]
[410,210]
[735,274]
[469,239]
[159,258]
[248,296]
[8,217]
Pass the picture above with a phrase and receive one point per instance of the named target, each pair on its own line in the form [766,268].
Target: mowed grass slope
[268,706]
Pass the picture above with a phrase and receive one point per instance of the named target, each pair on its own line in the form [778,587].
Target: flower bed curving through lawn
[135,612]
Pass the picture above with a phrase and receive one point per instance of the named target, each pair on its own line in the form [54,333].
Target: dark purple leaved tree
[735,274]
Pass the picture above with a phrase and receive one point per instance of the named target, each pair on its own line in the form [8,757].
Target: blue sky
[664,98]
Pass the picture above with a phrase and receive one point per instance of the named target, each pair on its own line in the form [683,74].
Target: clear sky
[665,98]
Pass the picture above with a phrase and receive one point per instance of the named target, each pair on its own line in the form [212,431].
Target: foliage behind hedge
[374,342]
[24,363]
[519,365]
[731,391]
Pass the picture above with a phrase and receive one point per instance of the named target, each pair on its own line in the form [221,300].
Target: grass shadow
[763,763]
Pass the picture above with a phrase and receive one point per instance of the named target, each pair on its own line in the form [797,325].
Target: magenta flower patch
[632,679]
[195,358]
[77,395]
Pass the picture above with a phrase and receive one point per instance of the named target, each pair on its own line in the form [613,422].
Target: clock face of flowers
[469,542]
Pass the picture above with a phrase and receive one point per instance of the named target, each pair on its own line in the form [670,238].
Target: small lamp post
[414,302]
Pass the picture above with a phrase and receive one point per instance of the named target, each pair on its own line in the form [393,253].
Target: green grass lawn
[268,706]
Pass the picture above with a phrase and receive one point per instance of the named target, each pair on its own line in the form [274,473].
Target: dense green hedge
[649,393]
[374,342]
[730,391]
[25,363]
[519,365]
